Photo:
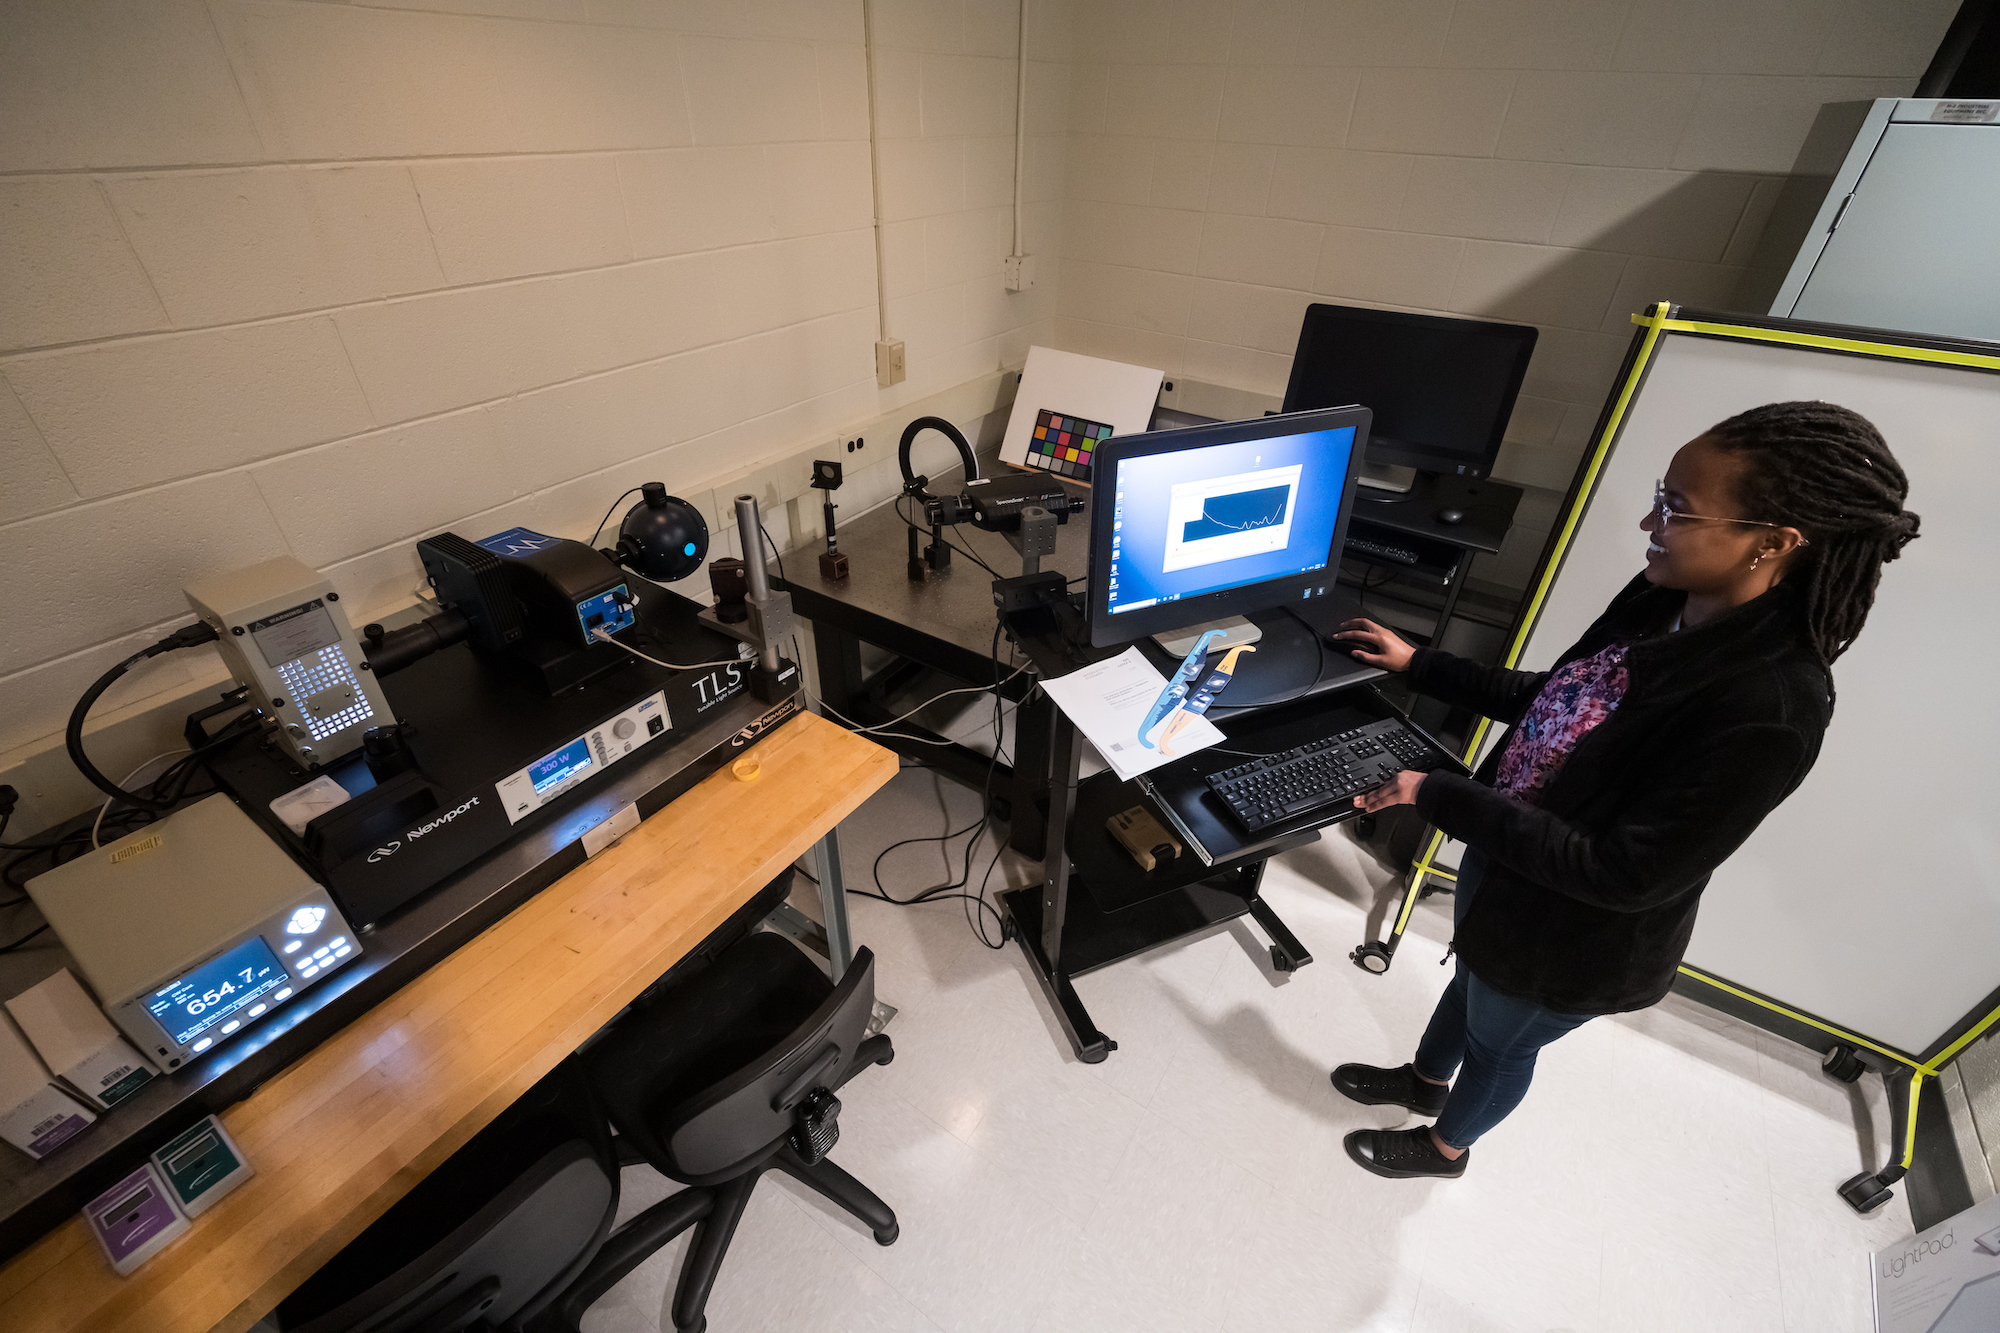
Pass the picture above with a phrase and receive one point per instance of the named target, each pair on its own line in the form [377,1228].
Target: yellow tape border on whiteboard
[1658,321]
[1655,323]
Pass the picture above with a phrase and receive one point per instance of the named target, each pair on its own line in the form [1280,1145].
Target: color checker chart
[1064,445]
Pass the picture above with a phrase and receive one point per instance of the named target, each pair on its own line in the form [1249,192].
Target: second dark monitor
[1441,389]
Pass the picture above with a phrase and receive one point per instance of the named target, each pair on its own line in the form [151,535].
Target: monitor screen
[1441,389]
[1210,522]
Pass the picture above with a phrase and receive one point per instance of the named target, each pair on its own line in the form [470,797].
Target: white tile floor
[1670,1171]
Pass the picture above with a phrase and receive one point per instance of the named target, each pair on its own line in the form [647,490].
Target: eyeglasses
[1665,513]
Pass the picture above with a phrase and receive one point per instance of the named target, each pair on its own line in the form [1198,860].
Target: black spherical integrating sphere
[663,537]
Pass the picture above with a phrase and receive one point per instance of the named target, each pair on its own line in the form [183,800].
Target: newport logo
[383,853]
[764,724]
[1895,1264]
[442,820]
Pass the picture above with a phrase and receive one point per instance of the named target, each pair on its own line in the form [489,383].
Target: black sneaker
[1390,1087]
[1401,1154]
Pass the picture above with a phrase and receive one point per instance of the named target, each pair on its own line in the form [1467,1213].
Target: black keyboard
[1402,555]
[1321,773]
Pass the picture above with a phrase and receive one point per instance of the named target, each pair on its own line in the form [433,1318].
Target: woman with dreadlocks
[1657,744]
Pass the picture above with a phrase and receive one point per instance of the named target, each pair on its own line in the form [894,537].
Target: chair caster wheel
[1282,961]
[889,1237]
[1371,957]
[1866,1192]
[1842,1062]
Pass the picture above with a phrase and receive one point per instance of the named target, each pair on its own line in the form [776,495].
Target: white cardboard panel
[1114,393]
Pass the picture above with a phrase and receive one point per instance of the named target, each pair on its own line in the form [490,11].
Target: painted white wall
[288,276]
[325,278]
[1555,162]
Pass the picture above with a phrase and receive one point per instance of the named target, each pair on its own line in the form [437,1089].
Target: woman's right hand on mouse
[1372,645]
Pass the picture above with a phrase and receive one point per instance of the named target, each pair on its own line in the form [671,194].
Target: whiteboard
[1871,898]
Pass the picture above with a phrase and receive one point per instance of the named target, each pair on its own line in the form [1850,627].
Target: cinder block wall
[1542,161]
[324,278]
[318,278]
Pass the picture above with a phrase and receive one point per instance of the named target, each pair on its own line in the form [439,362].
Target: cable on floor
[953,889]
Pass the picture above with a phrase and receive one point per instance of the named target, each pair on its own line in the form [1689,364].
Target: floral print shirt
[1575,698]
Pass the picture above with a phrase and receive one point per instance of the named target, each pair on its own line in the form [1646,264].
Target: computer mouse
[1451,515]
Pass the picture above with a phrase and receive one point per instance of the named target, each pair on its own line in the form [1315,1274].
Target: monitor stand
[1236,631]
[1387,477]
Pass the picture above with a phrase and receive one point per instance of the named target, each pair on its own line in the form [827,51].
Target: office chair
[713,1083]
[736,1049]
[498,1231]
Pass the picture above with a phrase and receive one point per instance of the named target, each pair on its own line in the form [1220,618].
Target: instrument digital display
[566,765]
[218,988]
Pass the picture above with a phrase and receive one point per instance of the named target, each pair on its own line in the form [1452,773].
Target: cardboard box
[1944,1280]
[78,1042]
[36,1115]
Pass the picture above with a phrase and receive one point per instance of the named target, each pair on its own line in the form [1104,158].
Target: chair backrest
[485,1271]
[743,1117]
[488,1238]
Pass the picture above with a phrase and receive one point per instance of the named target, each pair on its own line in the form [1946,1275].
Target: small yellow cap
[747,768]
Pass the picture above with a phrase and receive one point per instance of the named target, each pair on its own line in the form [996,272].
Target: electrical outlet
[1019,271]
[849,443]
[890,368]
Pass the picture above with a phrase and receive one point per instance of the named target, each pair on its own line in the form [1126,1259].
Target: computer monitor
[1441,389]
[1195,525]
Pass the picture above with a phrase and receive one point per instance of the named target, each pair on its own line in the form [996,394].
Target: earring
[1758,561]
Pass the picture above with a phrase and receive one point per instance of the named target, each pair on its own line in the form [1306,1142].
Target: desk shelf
[1094,937]
[1117,882]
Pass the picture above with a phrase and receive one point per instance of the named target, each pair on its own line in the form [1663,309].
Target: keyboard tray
[1181,791]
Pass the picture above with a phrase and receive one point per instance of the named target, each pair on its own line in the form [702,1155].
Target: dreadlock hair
[1826,471]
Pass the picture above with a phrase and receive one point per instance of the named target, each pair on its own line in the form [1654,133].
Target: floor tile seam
[1379,1249]
[1047,1292]
[1106,1080]
[999,1160]
[933,1121]
[1103,1261]
[935,975]
[1598,1313]
[866,1256]
[1787,1301]
[1253,1172]
[1026,1021]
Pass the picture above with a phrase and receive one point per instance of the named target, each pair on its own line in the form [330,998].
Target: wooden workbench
[341,1135]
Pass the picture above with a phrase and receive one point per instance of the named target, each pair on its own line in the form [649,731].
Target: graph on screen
[1229,517]
[1242,511]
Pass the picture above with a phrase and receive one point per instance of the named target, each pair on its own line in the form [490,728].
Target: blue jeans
[1494,1037]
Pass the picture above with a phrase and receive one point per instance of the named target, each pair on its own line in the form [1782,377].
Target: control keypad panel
[584,757]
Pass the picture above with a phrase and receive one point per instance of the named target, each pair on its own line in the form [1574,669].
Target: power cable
[953,889]
[609,512]
[98,823]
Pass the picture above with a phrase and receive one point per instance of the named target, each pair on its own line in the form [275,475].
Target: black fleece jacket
[1590,897]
